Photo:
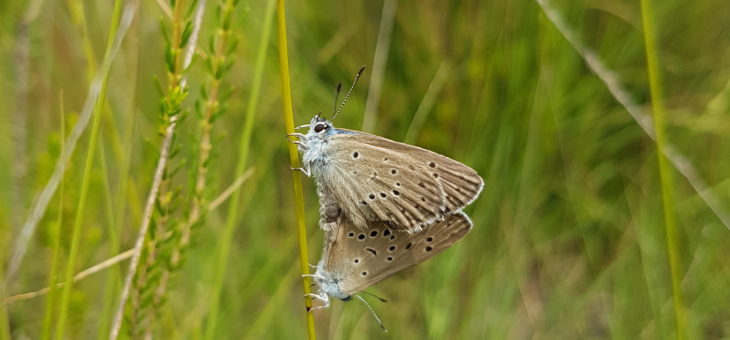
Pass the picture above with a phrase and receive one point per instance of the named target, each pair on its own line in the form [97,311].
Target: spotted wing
[359,258]
[377,179]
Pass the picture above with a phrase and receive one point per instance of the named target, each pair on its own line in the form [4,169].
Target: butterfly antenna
[375,296]
[372,311]
[347,96]
[337,95]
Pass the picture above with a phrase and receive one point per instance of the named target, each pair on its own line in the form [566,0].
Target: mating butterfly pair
[384,205]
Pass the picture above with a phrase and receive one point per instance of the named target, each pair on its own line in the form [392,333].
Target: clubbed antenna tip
[347,96]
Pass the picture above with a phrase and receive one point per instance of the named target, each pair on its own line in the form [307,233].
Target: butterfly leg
[290,136]
[324,298]
[299,136]
[313,276]
[301,126]
[303,170]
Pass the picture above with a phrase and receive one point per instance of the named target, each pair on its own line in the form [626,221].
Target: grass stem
[243,151]
[38,209]
[177,89]
[56,237]
[294,160]
[380,60]
[222,197]
[610,78]
[665,174]
[85,182]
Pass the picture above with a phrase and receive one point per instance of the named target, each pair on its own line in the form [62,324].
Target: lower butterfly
[354,259]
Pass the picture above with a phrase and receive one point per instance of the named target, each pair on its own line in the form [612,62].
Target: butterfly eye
[320,127]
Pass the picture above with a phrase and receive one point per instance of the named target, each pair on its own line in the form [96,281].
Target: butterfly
[354,258]
[369,178]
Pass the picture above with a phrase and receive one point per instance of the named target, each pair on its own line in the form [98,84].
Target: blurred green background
[569,238]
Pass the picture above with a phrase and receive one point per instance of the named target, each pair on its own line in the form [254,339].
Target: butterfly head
[329,284]
[319,126]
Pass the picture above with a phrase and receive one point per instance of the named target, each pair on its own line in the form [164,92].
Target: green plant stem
[243,149]
[56,235]
[85,180]
[4,326]
[76,10]
[294,160]
[665,174]
[211,108]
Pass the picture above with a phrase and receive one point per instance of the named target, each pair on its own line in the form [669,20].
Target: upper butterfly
[365,178]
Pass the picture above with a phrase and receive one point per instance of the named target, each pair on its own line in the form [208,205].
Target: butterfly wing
[377,179]
[359,258]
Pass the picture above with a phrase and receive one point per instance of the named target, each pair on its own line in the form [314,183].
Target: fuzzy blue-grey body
[315,150]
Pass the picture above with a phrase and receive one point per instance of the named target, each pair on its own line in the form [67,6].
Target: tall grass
[84,189]
[548,101]
[665,174]
[56,249]
[288,115]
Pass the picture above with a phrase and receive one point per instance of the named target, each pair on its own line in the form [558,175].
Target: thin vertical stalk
[4,325]
[230,225]
[169,128]
[294,160]
[178,61]
[56,236]
[85,181]
[380,60]
[113,206]
[212,108]
[76,10]
[665,173]
[122,189]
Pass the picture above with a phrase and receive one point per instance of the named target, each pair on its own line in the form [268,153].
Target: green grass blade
[55,260]
[85,181]
[294,160]
[243,151]
[665,174]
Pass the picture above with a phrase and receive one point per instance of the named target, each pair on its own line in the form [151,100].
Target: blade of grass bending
[665,174]
[40,205]
[428,101]
[608,77]
[288,116]
[128,253]
[78,277]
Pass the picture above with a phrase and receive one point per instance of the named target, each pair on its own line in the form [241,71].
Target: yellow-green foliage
[579,233]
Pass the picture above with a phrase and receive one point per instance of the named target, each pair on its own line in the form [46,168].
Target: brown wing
[360,258]
[377,179]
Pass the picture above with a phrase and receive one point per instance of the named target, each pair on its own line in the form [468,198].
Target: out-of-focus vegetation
[569,238]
